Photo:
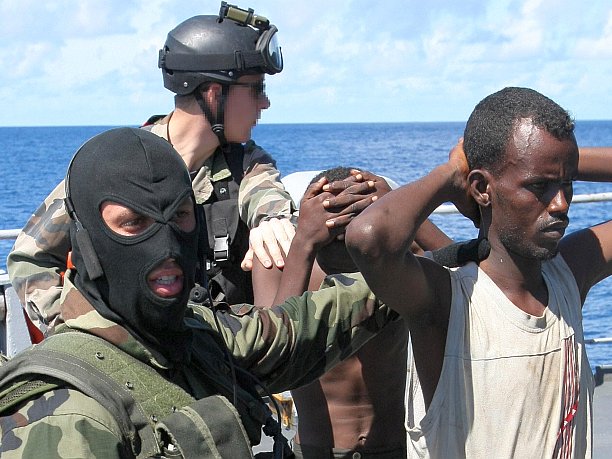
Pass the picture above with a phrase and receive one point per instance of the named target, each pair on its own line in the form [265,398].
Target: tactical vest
[156,417]
[225,237]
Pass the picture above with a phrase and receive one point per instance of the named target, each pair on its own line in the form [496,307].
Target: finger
[380,182]
[339,222]
[256,244]
[283,232]
[354,177]
[314,188]
[247,261]
[350,194]
[289,230]
[357,207]
[368,186]
[271,244]
[338,203]
[367,175]
[289,227]
[338,185]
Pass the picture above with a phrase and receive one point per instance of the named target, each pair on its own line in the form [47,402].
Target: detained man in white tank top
[498,345]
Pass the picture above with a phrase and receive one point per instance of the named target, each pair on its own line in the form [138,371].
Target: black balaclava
[139,170]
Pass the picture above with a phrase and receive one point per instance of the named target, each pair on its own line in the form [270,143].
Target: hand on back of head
[463,199]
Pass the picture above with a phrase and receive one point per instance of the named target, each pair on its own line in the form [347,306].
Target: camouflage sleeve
[262,195]
[292,344]
[38,258]
[62,423]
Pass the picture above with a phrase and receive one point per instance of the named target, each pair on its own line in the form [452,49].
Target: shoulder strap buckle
[221,249]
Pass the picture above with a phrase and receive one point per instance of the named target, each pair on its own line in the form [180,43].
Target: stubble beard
[516,243]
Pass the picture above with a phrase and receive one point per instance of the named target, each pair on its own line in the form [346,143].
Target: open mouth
[166,281]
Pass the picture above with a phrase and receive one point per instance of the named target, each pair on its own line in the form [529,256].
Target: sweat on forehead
[131,166]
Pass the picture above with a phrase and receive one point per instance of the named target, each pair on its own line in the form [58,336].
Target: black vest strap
[226,239]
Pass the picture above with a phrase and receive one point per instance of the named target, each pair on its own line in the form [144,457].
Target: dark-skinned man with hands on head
[357,408]
[498,345]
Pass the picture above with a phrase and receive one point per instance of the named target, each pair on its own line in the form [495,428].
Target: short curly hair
[493,120]
[334,174]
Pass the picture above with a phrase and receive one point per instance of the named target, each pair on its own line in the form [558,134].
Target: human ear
[211,93]
[479,181]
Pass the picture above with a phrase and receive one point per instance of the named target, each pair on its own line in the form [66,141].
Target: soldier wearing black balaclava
[112,269]
[133,374]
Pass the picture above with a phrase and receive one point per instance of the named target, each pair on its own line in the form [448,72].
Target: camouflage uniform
[285,346]
[38,258]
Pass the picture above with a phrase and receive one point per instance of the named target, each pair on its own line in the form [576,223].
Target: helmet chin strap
[216,122]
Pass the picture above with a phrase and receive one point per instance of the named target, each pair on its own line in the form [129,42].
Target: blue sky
[95,62]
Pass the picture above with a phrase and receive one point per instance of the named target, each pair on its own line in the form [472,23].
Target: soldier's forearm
[262,195]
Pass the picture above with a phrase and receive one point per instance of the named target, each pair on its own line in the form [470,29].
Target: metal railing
[578,199]
[9,234]
[598,341]
[443,209]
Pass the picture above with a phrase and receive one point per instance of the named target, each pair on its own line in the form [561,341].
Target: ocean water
[34,160]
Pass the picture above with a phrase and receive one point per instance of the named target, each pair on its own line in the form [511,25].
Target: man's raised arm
[379,240]
[588,252]
[595,164]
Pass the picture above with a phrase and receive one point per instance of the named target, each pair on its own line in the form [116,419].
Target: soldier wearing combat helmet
[215,65]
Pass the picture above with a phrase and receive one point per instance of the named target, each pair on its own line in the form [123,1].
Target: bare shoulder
[588,253]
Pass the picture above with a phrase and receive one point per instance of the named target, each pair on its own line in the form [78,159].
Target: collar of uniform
[214,169]
[160,127]
[79,314]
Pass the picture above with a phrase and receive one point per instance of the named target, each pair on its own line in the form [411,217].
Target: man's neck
[519,278]
[191,135]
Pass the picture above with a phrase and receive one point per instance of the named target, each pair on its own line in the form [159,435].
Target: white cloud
[393,60]
[597,48]
[29,60]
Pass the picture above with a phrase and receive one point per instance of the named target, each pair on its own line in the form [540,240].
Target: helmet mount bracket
[243,17]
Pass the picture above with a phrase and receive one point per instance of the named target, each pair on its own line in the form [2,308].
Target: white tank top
[510,380]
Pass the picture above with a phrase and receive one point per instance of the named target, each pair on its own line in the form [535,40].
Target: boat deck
[602,419]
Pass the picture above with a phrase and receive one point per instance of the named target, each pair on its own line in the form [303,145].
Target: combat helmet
[218,49]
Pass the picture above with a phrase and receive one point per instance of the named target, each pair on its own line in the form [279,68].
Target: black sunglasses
[258,88]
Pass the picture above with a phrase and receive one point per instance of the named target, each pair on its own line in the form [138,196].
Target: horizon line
[275,124]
